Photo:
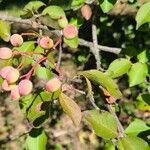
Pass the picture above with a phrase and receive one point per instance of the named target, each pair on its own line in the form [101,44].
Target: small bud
[63,22]
[15,93]
[46,42]
[25,87]
[4,71]
[12,76]
[53,85]
[5,53]
[86,12]
[70,31]
[6,86]
[16,40]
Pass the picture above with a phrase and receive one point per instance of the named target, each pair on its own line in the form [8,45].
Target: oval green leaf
[73,43]
[143,15]
[118,67]
[55,12]
[137,73]
[104,80]
[132,143]
[36,140]
[103,123]
[71,108]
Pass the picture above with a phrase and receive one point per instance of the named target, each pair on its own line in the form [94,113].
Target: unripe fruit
[25,87]
[15,93]
[6,86]
[12,76]
[86,12]
[5,53]
[4,71]
[46,42]
[70,31]
[53,85]
[63,22]
[16,40]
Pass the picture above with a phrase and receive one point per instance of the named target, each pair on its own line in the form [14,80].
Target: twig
[120,127]
[82,42]
[59,56]
[95,46]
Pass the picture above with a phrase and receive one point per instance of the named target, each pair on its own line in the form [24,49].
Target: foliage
[35,54]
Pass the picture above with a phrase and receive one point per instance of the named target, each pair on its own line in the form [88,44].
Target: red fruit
[6,86]
[5,53]
[12,75]
[70,31]
[53,85]
[46,42]
[15,93]
[16,40]
[25,87]
[86,12]
[4,71]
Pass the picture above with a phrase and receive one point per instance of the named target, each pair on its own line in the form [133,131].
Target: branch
[95,47]
[82,42]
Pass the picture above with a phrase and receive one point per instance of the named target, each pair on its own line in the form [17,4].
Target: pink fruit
[16,40]
[15,93]
[86,12]
[12,75]
[53,85]
[4,71]
[63,22]
[25,87]
[70,31]
[46,42]
[5,53]
[6,86]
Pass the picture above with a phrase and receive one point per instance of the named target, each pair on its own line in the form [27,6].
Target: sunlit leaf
[36,140]
[136,127]
[137,73]
[73,43]
[132,143]
[104,80]
[71,109]
[55,12]
[118,67]
[143,15]
[103,123]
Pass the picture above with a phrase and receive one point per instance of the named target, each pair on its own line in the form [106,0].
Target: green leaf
[48,21]
[76,4]
[26,47]
[70,108]
[103,123]
[104,80]
[137,73]
[89,86]
[5,30]
[136,127]
[143,102]
[143,15]
[132,143]
[118,67]
[30,106]
[43,73]
[144,56]
[55,12]
[30,8]
[36,140]
[107,5]
[73,43]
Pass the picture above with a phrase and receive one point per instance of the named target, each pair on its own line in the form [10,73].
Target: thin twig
[59,56]
[95,46]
